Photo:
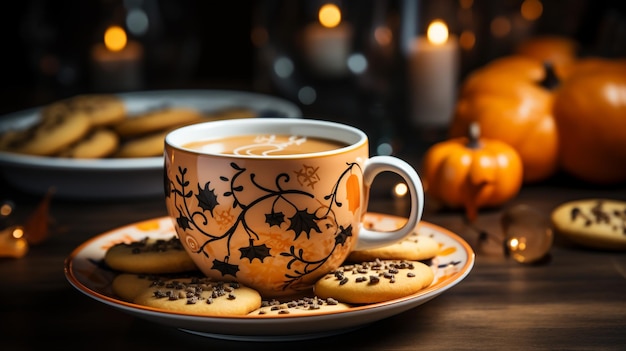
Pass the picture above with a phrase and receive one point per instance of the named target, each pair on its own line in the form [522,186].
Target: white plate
[121,178]
[85,270]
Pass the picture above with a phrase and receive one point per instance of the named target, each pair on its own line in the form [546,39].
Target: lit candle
[117,62]
[433,69]
[327,43]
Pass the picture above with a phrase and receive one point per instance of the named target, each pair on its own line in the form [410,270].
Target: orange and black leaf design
[225,268]
[283,193]
[255,251]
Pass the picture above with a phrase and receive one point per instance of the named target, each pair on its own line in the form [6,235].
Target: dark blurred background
[190,44]
[194,44]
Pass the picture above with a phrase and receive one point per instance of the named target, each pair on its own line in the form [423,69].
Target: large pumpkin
[590,114]
[558,50]
[512,102]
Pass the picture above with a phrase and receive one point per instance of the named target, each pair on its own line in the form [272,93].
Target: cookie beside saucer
[595,223]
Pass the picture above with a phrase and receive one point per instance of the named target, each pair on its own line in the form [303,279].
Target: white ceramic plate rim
[268,328]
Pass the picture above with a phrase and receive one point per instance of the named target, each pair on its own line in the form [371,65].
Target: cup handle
[369,239]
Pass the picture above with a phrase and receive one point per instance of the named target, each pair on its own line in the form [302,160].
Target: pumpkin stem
[473,134]
[550,81]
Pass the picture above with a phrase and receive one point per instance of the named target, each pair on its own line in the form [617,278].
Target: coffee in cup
[266,145]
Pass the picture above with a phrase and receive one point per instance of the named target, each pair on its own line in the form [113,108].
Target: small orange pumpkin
[472,172]
[507,98]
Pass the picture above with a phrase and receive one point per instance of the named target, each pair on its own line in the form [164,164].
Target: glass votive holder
[528,234]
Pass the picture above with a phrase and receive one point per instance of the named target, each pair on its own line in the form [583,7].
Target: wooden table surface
[574,301]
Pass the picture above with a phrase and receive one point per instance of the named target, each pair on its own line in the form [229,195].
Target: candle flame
[329,15]
[400,190]
[115,38]
[17,233]
[437,32]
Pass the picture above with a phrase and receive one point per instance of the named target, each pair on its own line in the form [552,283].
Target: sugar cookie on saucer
[150,256]
[201,296]
[595,223]
[128,286]
[415,247]
[375,281]
[299,307]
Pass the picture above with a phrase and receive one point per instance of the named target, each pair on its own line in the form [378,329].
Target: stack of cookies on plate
[98,125]
[160,274]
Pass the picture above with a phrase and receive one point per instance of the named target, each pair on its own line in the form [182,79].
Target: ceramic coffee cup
[276,203]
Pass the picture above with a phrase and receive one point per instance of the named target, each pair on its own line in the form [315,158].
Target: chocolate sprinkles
[192,290]
[384,269]
[598,215]
[160,245]
[305,303]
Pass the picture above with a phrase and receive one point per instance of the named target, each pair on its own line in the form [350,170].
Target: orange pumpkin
[591,65]
[558,50]
[472,172]
[590,114]
[507,98]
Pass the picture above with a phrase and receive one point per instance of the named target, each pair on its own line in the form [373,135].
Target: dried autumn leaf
[36,227]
